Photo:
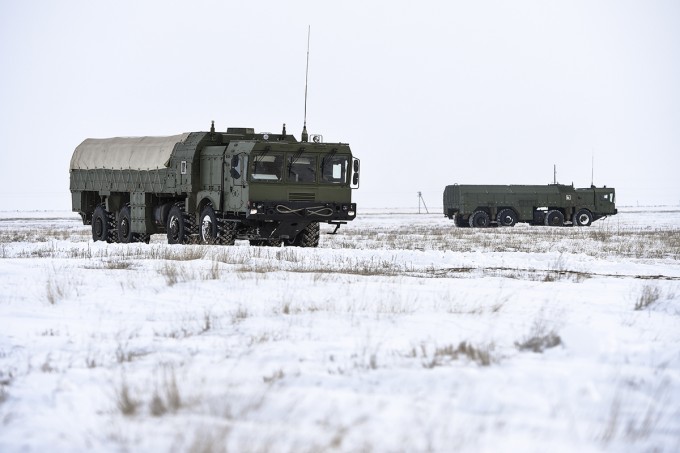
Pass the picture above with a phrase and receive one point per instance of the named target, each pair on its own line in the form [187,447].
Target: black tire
[309,237]
[178,226]
[506,217]
[226,232]
[554,218]
[208,226]
[459,221]
[479,219]
[582,217]
[125,234]
[103,225]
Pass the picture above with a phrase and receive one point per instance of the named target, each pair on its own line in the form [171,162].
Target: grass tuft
[539,338]
[126,403]
[649,294]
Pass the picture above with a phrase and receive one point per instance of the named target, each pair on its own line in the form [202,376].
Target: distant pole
[420,197]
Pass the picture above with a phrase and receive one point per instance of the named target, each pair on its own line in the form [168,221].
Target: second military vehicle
[214,187]
[554,205]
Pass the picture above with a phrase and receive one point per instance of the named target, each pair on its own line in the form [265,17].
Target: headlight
[350,213]
[253,211]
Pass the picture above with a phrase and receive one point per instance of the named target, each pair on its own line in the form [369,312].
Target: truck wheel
[459,222]
[208,226]
[178,226]
[479,219]
[554,218]
[226,233]
[309,237]
[103,225]
[582,217]
[506,217]
[125,234]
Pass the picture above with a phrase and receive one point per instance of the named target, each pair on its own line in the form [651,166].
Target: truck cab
[605,201]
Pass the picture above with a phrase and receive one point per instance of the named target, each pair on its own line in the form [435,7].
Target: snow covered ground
[400,333]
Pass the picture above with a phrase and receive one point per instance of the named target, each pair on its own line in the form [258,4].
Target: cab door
[605,201]
[236,192]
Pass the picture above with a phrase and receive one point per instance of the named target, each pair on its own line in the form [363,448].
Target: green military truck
[213,187]
[554,205]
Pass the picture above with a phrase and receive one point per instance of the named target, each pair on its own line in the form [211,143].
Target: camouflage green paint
[506,205]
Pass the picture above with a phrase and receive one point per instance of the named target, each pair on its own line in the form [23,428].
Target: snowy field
[400,333]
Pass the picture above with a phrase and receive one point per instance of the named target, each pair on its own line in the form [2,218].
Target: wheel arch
[207,197]
[512,208]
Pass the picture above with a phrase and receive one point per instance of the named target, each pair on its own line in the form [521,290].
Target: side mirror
[355,176]
[235,161]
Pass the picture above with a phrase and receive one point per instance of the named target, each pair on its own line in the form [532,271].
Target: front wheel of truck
[583,217]
[309,237]
[208,225]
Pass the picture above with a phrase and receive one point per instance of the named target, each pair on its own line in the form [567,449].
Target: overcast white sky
[426,93]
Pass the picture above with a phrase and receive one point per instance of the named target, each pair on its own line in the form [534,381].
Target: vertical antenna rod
[592,169]
[305,136]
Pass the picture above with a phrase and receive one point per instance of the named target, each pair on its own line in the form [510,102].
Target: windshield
[334,169]
[300,168]
[267,167]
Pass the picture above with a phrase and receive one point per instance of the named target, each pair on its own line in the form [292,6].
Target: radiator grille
[301,196]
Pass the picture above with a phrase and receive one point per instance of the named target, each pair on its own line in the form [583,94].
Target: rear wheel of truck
[582,217]
[554,218]
[479,219]
[506,217]
[178,226]
[125,234]
[103,225]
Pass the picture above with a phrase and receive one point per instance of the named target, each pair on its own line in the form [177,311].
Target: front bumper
[308,210]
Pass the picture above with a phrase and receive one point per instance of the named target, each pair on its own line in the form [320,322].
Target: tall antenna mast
[554,174]
[304,135]
[592,169]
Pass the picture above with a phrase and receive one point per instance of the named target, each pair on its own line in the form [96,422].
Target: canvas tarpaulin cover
[125,153]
